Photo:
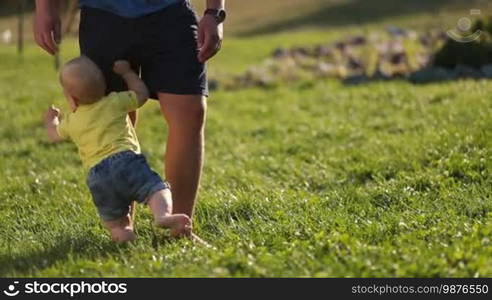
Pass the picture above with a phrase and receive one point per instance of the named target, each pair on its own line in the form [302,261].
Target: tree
[21,7]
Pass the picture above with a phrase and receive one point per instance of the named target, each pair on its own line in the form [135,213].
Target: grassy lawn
[310,179]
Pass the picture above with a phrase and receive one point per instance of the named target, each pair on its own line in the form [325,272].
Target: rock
[386,49]
[423,60]
[324,69]
[383,48]
[341,71]
[280,52]
[399,70]
[398,58]
[357,41]
[396,46]
[412,35]
[354,63]
[377,56]
[396,31]
[300,51]
[426,40]
[341,46]
[323,51]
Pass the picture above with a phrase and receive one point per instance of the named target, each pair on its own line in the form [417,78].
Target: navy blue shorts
[162,46]
[118,180]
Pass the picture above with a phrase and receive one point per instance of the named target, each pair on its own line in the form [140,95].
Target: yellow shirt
[102,128]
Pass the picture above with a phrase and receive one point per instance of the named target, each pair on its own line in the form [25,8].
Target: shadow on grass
[48,255]
[356,12]
[86,245]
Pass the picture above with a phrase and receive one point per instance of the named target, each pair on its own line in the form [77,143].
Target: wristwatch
[218,14]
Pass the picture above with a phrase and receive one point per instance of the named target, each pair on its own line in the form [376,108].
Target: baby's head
[83,81]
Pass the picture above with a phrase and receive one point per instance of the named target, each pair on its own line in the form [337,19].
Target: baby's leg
[160,204]
[121,229]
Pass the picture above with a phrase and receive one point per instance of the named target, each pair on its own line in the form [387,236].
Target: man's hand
[121,67]
[210,36]
[47,25]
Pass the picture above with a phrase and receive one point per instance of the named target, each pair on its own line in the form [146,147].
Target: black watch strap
[218,14]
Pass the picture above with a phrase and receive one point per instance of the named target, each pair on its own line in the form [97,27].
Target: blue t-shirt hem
[129,8]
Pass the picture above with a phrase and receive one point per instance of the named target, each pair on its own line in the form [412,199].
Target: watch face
[221,15]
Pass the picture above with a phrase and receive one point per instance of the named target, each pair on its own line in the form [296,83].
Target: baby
[100,127]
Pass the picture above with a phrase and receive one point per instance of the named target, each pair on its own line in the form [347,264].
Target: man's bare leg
[161,205]
[185,116]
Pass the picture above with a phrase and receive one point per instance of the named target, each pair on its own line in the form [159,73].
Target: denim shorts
[118,180]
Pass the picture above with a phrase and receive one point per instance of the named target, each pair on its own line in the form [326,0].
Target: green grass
[311,179]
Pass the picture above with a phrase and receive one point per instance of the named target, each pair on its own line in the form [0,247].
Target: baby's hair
[83,80]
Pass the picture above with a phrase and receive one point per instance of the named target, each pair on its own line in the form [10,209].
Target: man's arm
[210,34]
[47,25]
[133,82]
[51,122]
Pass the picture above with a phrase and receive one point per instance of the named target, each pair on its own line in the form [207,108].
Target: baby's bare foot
[179,224]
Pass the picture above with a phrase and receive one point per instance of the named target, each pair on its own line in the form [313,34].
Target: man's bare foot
[179,224]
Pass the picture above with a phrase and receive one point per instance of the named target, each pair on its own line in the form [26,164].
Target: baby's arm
[51,122]
[134,83]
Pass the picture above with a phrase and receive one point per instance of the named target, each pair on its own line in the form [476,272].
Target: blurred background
[274,41]
[344,138]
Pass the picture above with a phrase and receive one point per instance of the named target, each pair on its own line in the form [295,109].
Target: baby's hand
[122,67]
[51,114]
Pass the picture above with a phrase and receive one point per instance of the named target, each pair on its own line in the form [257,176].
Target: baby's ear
[74,103]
